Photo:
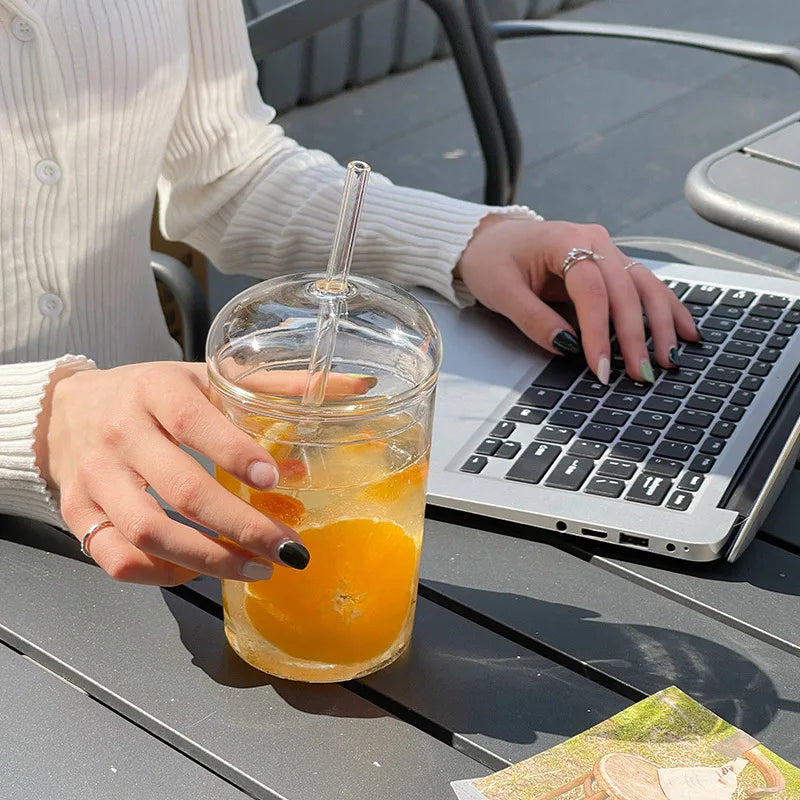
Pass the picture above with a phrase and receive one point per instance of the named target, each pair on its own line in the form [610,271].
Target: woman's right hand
[105,436]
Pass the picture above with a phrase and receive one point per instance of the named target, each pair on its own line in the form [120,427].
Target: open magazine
[666,747]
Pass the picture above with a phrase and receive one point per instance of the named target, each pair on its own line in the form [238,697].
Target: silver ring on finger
[576,255]
[632,264]
[87,537]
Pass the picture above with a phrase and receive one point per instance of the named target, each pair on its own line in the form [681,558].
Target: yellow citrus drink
[357,501]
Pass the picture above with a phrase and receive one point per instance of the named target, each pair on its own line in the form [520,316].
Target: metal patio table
[523,639]
[753,185]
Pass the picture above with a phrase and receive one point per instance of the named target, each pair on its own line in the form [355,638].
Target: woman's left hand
[513,266]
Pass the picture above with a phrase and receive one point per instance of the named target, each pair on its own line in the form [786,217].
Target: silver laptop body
[489,364]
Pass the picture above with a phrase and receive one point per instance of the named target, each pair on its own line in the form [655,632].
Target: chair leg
[561,790]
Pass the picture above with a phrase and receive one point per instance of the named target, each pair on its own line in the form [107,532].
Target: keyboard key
[703,403]
[488,447]
[475,464]
[628,386]
[679,501]
[684,433]
[550,433]
[599,433]
[700,349]
[729,361]
[674,451]
[751,383]
[590,388]
[785,329]
[697,419]
[531,415]
[570,473]
[569,419]
[741,348]
[728,312]
[742,398]
[703,295]
[623,402]
[577,403]
[625,451]
[714,337]
[778,342]
[605,487]
[691,481]
[649,489]
[702,463]
[768,312]
[712,446]
[560,373]
[792,317]
[508,450]
[534,462]
[663,466]
[714,388]
[617,468]
[539,398]
[649,419]
[696,310]
[733,413]
[742,335]
[683,376]
[688,361]
[774,300]
[662,405]
[678,287]
[609,416]
[723,429]
[503,429]
[759,369]
[584,449]
[639,435]
[670,389]
[717,324]
[758,323]
[769,354]
[738,297]
[724,375]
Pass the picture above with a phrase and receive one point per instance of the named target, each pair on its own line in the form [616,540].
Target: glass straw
[332,289]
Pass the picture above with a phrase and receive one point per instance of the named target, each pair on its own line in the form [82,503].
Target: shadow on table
[478,683]
[219,662]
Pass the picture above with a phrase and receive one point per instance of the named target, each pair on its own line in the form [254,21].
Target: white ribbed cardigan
[101,103]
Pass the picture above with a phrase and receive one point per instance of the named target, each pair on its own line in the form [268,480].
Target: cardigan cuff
[23,491]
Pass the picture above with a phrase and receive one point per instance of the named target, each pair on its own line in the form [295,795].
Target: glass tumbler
[352,471]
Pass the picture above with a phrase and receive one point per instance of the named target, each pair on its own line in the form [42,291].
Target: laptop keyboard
[639,442]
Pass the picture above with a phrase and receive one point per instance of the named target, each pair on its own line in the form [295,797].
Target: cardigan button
[21,29]
[51,305]
[48,171]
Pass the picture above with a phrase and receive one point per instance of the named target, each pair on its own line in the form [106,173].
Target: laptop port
[592,532]
[636,541]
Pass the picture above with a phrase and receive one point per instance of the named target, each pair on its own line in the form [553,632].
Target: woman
[102,101]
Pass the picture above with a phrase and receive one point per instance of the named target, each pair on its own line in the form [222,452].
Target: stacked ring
[574,256]
[87,537]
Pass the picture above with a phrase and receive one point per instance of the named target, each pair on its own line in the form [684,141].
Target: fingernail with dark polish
[293,554]
[566,343]
[674,356]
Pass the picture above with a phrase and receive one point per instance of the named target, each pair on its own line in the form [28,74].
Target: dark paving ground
[610,128]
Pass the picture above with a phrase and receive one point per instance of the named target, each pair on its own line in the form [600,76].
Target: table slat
[56,741]
[618,626]
[164,663]
[782,145]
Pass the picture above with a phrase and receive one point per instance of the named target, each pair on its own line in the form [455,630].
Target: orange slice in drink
[391,489]
[349,604]
[287,509]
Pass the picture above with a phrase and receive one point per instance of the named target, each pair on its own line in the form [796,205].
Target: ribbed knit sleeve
[22,387]
[254,201]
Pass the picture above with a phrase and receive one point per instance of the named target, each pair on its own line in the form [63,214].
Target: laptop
[688,467]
